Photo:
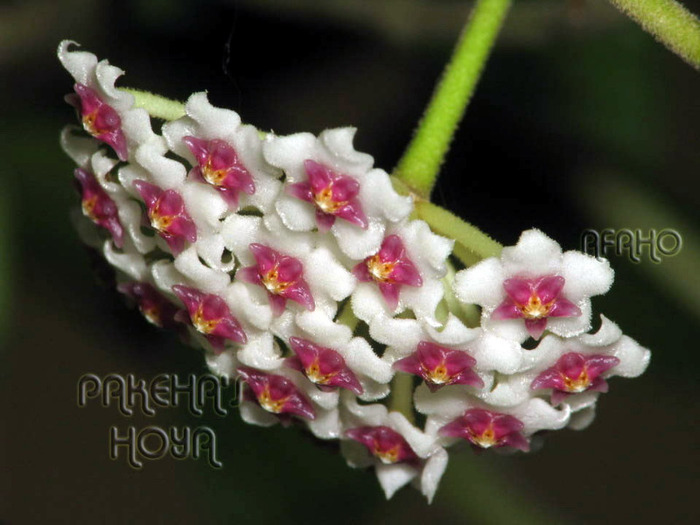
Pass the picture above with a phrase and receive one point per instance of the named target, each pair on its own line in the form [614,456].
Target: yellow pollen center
[272,283]
[380,271]
[152,315]
[212,176]
[88,206]
[271,405]
[535,309]
[487,438]
[579,384]
[160,222]
[313,372]
[438,375]
[324,200]
[387,456]
[89,123]
[203,325]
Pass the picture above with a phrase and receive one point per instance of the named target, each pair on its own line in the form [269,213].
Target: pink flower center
[313,372]
[438,375]
[535,309]
[203,325]
[579,384]
[214,176]
[88,205]
[273,283]
[380,270]
[152,314]
[90,125]
[325,202]
[160,221]
[386,456]
[486,439]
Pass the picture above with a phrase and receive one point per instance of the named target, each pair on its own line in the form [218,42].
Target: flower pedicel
[271,252]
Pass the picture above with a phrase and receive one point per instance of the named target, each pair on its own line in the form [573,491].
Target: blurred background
[581,121]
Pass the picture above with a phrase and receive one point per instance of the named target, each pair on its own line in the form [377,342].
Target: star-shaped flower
[332,194]
[167,214]
[210,315]
[98,206]
[281,275]
[533,286]
[391,269]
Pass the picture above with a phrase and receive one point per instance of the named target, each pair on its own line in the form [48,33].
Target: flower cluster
[275,254]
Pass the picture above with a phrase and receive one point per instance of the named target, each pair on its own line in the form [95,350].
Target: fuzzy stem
[670,23]
[156,105]
[421,162]
[471,244]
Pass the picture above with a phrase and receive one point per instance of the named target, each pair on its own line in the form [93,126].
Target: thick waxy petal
[548,288]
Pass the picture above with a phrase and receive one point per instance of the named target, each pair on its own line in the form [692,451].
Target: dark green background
[576,100]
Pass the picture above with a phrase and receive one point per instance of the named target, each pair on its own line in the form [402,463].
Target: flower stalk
[157,105]
[420,164]
[670,23]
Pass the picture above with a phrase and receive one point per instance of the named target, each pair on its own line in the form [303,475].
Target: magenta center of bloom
[390,268]
[384,443]
[98,206]
[333,195]
[155,308]
[575,373]
[210,315]
[281,275]
[167,214]
[440,366]
[322,366]
[101,120]
[535,300]
[276,393]
[219,165]
[486,429]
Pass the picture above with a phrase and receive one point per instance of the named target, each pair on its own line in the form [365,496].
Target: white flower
[107,113]
[399,451]
[224,154]
[404,273]
[330,185]
[533,286]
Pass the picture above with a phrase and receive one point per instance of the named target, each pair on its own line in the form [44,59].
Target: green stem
[471,244]
[671,23]
[402,395]
[157,106]
[420,164]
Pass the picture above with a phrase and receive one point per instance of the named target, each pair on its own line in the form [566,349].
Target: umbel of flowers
[273,254]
